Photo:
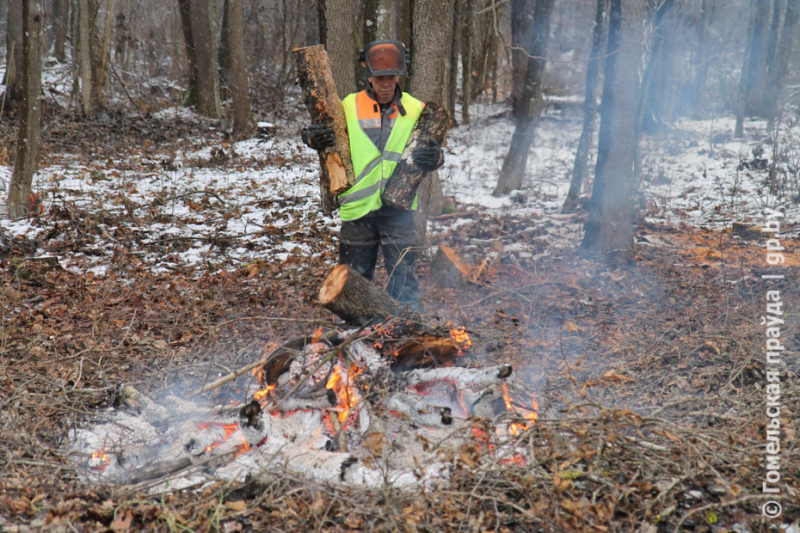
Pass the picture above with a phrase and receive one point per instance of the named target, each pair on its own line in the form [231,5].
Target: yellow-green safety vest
[371,167]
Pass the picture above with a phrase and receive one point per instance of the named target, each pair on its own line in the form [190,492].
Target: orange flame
[104,460]
[517,427]
[263,393]
[461,339]
[345,391]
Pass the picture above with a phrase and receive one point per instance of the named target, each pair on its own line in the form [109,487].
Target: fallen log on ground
[431,126]
[351,297]
[319,94]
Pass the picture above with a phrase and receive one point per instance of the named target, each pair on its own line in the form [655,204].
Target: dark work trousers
[391,230]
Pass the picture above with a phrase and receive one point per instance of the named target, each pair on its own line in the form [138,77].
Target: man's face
[384,87]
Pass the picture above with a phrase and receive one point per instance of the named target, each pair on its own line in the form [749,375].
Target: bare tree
[749,101]
[83,57]
[701,59]
[185,11]
[609,229]
[779,65]
[208,98]
[12,79]
[61,22]
[31,112]
[242,122]
[589,108]
[527,107]
[98,49]
[466,59]
[426,82]
[337,33]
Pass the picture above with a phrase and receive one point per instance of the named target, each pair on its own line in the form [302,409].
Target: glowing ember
[101,461]
[348,397]
[461,339]
[517,427]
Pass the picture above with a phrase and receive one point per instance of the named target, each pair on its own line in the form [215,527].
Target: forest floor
[166,256]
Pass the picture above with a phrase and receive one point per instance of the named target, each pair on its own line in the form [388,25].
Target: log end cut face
[333,284]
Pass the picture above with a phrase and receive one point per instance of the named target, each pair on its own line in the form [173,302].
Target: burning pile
[360,406]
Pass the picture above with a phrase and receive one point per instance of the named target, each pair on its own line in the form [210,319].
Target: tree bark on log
[319,94]
[402,187]
[350,296]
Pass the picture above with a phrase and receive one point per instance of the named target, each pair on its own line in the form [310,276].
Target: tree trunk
[84,58]
[428,48]
[522,35]
[589,109]
[207,74]
[757,67]
[772,40]
[651,102]
[224,54]
[701,58]
[61,21]
[452,79]
[779,70]
[98,50]
[240,92]
[336,34]
[30,112]
[14,62]
[466,59]
[609,229]
[528,106]
[185,10]
[370,27]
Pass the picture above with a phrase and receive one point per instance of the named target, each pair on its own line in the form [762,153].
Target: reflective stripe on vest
[373,168]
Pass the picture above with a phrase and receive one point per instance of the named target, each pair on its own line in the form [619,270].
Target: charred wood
[431,128]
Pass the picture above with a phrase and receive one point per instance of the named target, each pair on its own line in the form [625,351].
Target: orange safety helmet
[384,57]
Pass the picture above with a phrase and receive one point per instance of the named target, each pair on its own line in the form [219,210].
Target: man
[380,120]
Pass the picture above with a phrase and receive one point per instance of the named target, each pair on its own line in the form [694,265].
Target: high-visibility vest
[372,167]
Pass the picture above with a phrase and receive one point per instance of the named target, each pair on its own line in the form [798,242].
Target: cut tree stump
[353,298]
[402,187]
[319,94]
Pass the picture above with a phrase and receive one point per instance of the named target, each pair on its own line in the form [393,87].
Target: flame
[229,429]
[104,461]
[317,335]
[345,391]
[517,427]
[263,393]
[461,339]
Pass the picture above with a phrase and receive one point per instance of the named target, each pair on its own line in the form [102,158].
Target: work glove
[428,157]
[318,136]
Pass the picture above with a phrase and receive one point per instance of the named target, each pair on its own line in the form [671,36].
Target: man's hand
[428,157]
[318,136]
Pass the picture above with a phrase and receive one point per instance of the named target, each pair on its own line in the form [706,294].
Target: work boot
[362,259]
[403,285]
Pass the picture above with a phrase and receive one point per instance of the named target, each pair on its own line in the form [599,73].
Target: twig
[230,377]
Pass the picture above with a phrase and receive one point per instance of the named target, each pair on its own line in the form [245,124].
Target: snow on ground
[262,194]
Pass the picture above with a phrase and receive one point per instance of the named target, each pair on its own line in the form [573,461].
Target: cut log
[351,297]
[402,187]
[319,94]
[427,350]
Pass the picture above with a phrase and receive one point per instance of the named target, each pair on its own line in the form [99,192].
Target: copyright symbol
[771,509]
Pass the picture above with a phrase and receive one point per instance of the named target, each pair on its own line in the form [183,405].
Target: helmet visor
[385,59]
